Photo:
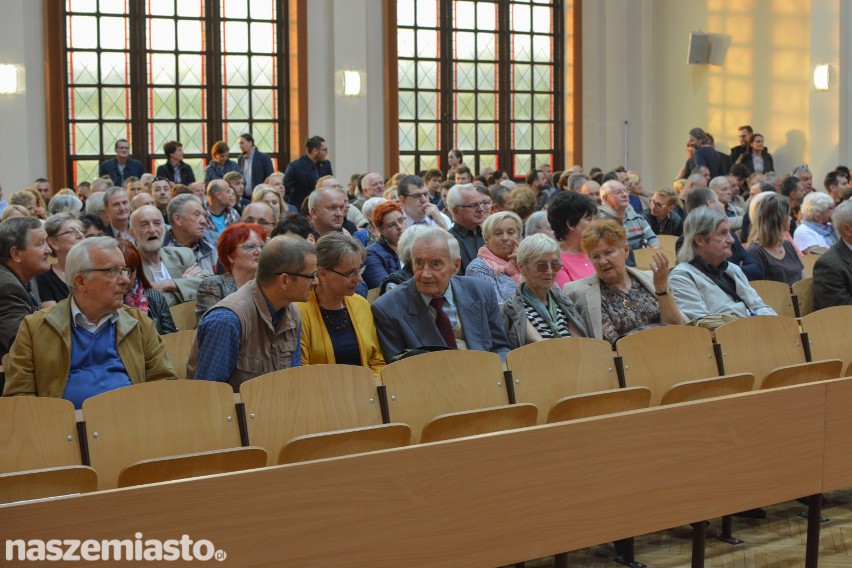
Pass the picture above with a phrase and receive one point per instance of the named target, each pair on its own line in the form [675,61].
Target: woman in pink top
[569,214]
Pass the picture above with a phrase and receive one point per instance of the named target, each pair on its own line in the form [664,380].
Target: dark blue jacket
[132,168]
[301,177]
[261,168]
[187,176]
[381,261]
[215,171]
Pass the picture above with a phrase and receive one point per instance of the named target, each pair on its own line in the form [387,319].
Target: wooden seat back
[645,257]
[37,433]
[345,442]
[808,261]
[170,468]
[282,405]
[776,295]
[669,244]
[803,373]
[422,387]
[184,315]
[804,292]
[699,389]
[599,403]
[760,344]
[546,371]
[481,421]
[178,346]
[49,482]
[830,334]
[157,419]
[661,357]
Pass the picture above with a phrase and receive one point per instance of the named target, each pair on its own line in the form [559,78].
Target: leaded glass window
[481,76]
[152,71]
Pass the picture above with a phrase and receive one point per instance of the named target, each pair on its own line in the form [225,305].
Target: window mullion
[138,88]
[446,77]
[504,89]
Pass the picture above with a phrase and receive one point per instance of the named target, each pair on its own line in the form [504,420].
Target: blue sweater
[95,364]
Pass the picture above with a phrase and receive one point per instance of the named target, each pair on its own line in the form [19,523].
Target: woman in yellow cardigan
[337,324]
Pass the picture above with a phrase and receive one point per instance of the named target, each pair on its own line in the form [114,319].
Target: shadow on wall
[791,153]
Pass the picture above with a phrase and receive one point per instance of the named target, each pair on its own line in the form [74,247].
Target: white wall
[635,70]
[23,143]
[347,35]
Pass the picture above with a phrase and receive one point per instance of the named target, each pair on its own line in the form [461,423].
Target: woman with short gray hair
[63,232]
[536,312]
[704,282]
[537,223]
[815,232]
[494,262]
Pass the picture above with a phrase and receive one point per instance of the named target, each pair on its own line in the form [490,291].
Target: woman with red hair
[382,258]
[141,296]
[239,249]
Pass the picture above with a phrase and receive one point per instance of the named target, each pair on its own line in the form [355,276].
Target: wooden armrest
[170,468]
[709,388]
[803,373]
[598,403]
[48,482]
[345,442]
[480,421]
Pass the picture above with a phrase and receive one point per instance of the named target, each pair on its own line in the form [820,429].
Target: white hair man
[190,229]
[616,203]
[833,270]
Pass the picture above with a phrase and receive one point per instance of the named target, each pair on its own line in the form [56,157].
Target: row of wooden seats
[796,301]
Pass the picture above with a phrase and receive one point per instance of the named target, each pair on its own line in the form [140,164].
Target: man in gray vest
[257,329]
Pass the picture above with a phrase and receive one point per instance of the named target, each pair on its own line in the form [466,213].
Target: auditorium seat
[829,331]
[178,346]
[480,421]
[776,295]
[184,315]
[345,442]
[599,403]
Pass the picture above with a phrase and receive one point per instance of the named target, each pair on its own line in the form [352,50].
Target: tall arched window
[152,71]
[486,77]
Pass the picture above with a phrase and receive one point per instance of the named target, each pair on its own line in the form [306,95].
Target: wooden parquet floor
[775,542]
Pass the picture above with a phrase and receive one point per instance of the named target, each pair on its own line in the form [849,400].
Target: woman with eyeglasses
[337,324]
[63,232]
[139,293]
[617,300]
[239,249]
[383,256]
[537,312]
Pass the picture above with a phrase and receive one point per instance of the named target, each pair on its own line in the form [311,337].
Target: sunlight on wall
[765,79]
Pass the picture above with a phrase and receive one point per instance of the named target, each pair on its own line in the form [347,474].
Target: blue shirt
[218,337]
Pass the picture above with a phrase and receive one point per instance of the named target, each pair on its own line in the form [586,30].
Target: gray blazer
[586,294]
[833,277]
[178,260]
[403,320]
[15,304]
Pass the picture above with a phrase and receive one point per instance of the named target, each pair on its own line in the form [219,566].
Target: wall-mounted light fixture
[822,77]
[8,79]
[351,83]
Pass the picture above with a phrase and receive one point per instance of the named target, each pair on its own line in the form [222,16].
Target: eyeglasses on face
[350,275]
[478,204]
[261,222]
[418,195]
[554,266]
[113,272]
[310,276]
[250,247]
[74,232]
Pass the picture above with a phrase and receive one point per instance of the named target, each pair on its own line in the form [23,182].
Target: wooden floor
[775,542]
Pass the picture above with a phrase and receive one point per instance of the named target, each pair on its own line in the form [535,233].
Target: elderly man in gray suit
[171,270]
[435,307]
[833,271]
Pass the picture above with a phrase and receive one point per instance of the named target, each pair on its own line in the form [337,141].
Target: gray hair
[369,206]
[62,203]
[95,203]
[490,223]
[333,247]
[575,181]
[536,224]
[55,222]
[112,191]
[454,196]
[717,181]
[536,246]
[700,222]
[403,247]
[607,187]
[842,216]
[318,194]
[815,204]
[217,186]
[80,257]
[177,204]
[15,232]
[432,234]
[283,253]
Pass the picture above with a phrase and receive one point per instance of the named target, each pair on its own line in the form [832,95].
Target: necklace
[338,320]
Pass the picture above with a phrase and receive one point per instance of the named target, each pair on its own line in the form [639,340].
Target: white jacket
[697,296]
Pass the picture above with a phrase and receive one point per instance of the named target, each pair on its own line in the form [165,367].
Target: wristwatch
[663,293]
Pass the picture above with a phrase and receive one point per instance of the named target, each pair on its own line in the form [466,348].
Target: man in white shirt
[416,207]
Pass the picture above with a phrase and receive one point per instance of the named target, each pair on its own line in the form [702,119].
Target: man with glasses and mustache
[470,207]
[111,345]
[257,329]
[416,207]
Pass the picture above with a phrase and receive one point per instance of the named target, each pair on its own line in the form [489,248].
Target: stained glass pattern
[163,89]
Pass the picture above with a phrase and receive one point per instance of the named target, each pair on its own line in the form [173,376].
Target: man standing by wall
[253,164]
[302,174]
